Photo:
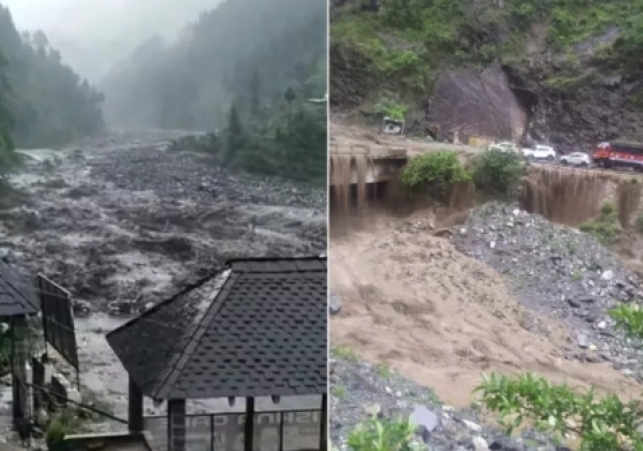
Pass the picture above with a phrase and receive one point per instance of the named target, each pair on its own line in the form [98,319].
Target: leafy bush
[638,222]
[56,432]
[435,171]
[66,422]
[392,109]
[601,423]
[385,435]
[605,227]
[496,172]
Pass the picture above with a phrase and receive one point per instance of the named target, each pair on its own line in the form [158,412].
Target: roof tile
[259,330]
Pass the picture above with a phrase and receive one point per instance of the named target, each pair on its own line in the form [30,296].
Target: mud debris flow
[124,226]
[340,173]
[437,297]
[348,193]
[363,164]
[123,223]
[563,195]
[511,293]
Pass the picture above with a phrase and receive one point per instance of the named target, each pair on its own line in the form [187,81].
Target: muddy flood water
[123,223]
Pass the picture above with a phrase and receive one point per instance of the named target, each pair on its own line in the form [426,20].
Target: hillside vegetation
[43,102]
[244,72]
[578,59]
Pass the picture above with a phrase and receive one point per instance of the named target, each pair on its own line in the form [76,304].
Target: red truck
[616,154]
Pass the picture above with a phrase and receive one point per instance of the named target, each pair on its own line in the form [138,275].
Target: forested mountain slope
[244,51]
[46,100]
[244,72]
[573,65]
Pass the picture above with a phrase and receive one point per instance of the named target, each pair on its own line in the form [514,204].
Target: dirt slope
[411,301]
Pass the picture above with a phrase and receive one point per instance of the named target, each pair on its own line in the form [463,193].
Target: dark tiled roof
[18,294]
[258,328]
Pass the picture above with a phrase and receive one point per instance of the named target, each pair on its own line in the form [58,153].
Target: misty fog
[93,35]
[144,144]
[241,71]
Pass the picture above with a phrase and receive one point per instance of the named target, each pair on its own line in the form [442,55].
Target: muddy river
[123,223]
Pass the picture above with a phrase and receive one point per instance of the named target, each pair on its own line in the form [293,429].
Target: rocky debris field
[360,391]
[560,272]
[121,222]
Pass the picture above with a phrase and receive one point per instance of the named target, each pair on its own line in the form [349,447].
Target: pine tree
[234,134]
[255,93]
[8,157]
[290,95]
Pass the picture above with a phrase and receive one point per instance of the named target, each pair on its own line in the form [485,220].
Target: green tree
[290,95]
[234,133]
[50,104]
[8,157]
[255,93]
[497,173]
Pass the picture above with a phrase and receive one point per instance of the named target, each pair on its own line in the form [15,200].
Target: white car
[540,153]
[504,146]
[576,159]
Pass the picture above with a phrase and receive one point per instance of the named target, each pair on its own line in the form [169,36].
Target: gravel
[553,270]
[561,272]
[360,391]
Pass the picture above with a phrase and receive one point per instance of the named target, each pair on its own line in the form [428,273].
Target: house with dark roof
[257,328]
[18,294]
[19,300]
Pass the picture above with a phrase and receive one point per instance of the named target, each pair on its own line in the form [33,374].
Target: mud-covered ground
[123,223]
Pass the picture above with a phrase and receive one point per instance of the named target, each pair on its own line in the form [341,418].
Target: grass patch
[384,371]
[344,353]
[605,227]
[339,391]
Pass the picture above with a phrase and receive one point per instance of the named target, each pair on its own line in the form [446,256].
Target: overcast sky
[92,33]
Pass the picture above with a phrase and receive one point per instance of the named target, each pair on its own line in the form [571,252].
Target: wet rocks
[557,271]
[129,224]
[198,177]
[356,386]
[334,304]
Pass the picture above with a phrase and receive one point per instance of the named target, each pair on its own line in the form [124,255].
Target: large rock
[477,104]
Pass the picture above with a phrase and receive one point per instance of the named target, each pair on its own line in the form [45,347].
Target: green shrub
[384,435]
[497,173]
[638,222]
[391,108]
[56,431]
[605,227]
[435,171]
[601,423]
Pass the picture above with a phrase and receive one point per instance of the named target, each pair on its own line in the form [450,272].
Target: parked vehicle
[576,159]
[619,154]
[504,146]
[540,153]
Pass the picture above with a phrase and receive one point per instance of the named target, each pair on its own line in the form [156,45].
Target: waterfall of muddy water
[340,173]
[629,198]
[463,197]
[564,195]
[363,163]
